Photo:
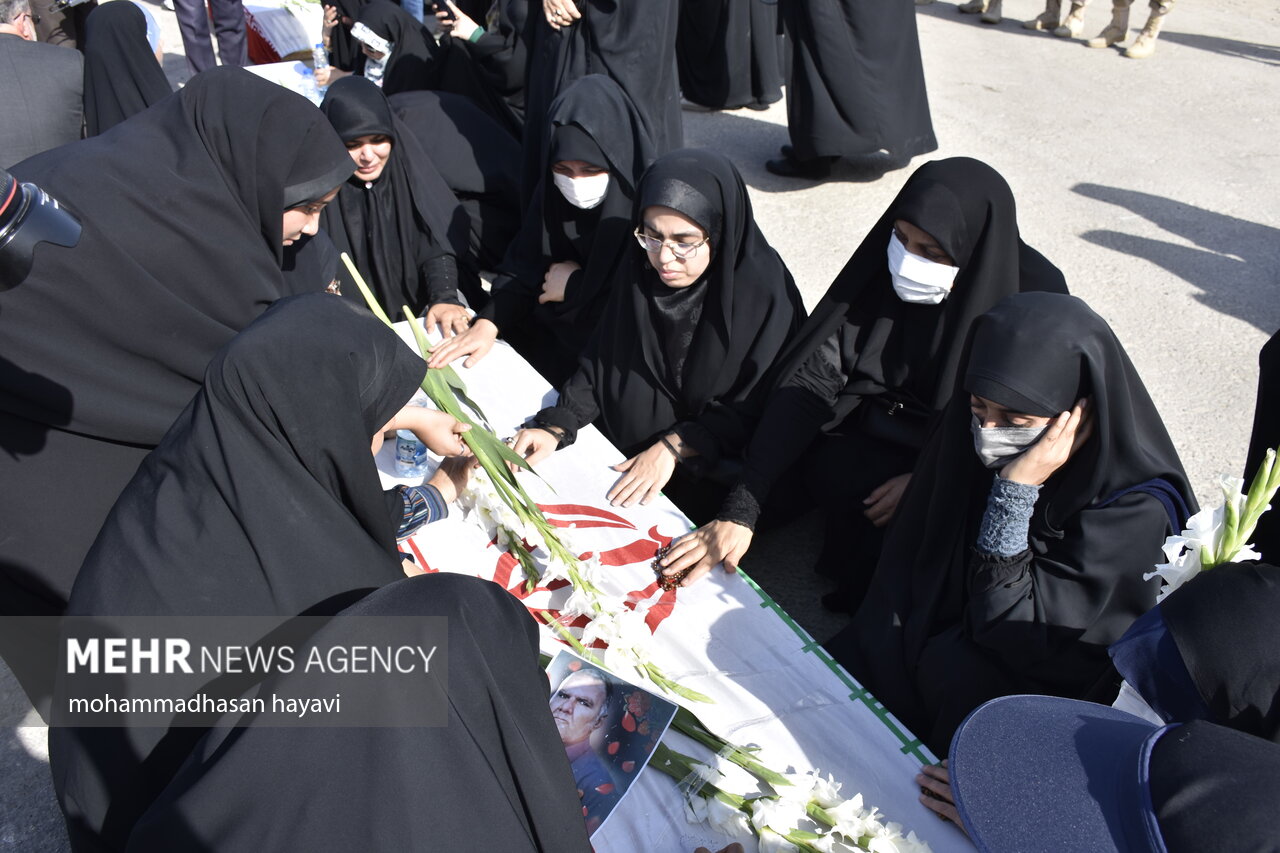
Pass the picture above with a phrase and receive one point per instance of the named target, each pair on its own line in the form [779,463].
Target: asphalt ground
[1150,183]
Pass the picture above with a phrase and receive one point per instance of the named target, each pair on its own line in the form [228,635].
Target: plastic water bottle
[411,455]
[319,62]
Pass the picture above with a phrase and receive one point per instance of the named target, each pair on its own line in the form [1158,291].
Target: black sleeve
[575,409]
[441,277]
[1059,610]
[793,416]
[501,56]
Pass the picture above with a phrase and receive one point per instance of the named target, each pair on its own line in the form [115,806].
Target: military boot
[1048,19]
[1117,30]
[1073,24]
[1145,44]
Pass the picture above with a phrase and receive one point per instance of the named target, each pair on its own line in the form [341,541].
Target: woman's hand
[458,25]
[439,431]
[560,13]
[883,502]
[556,280]
[474,342]
[452,477]
[325,76]
[535,445]
[698,552]
[935,792]
[643,476]
[330,21]
[451,319]
[1065,435]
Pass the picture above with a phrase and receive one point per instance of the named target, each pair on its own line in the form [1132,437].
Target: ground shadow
[1267,54]
[749,142]
[1234,262]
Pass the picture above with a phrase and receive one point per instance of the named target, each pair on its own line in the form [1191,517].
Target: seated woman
[993,584]
[675,372]
[197,214]
[485,60]
[871,369]
[479,162]
[122,73]
[405,231]
[264,500]
[556,278]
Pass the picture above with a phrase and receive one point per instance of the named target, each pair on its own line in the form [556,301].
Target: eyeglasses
[653,245]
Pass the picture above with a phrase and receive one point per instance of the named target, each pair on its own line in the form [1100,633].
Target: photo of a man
[580,707]
[609,728]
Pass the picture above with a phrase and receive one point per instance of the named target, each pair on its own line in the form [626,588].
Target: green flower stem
[680,767]
[687,723]
[574,642]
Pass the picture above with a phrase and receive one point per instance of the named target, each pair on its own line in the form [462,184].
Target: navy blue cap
[1040,773]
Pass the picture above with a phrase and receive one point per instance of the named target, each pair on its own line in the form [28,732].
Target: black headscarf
[266,489]
[1222,624]
[915,350]
[413,50]
[182,247]
[121,74]
[1266,436]
[596,109]
[662,356]
[916,630]
[407,223]
[631,43]
[730,53]
[479,162]
[856,84]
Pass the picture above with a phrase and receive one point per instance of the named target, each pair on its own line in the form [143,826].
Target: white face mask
[584,193]
[916,279]
[998,446]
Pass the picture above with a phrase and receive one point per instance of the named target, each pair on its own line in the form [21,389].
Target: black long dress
[479,162]
[406,233]
[1266,436]
[632,43]
[593,121]
[730,53]
[945,627]
[106,342]
[121,74]
[856,85]
[697,359]
[263,500]
[868,373]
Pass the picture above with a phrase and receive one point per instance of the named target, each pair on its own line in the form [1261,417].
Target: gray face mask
[998,446]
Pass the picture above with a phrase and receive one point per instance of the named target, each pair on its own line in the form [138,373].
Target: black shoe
[788,150]
[787,167]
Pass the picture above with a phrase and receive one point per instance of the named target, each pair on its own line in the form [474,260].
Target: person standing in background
[42,97]
[228,28]
[856,87]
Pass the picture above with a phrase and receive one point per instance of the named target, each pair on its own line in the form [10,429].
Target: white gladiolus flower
[800,791]
[850,818]
[772,842]
[727,820]
[830,844]
[622,627]
[775,812]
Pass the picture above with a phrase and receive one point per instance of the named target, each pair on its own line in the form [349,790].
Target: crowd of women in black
[187,412]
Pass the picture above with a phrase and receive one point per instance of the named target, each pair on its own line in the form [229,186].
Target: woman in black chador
[730,53]
[1018,554]
[479,162]
[263,500]
[676,371]
[870,370]
[396,217]
[555,280]
[121,73]
[195,214]
[856,85]
[632,43]
[1266,436]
